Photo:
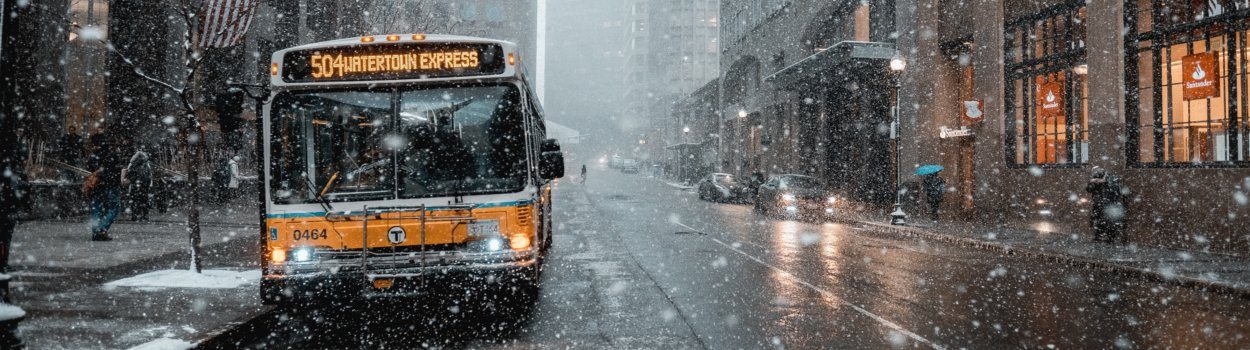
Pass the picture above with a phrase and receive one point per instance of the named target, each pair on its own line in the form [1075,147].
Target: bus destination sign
[393,62]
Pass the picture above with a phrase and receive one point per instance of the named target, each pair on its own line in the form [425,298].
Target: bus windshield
[413,143]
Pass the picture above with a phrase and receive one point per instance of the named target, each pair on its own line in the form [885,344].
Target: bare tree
[411,16]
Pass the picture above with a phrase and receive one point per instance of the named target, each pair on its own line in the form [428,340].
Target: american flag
[223,22]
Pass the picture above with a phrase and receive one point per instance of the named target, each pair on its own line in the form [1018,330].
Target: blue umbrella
[928,169]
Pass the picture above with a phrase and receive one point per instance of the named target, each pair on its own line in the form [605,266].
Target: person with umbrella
[934,187]
[1107,217]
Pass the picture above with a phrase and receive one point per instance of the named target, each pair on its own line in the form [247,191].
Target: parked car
[629,166]
[721,187]
[795,196]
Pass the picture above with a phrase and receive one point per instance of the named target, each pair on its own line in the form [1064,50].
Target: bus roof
[510,71]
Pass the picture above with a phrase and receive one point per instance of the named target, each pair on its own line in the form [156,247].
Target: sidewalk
[1211,271]
[60,277]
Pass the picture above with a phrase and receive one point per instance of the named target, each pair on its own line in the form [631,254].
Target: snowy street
[637,264]
[624,174]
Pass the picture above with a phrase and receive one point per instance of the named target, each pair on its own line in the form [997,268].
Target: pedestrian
[757,180]
[138,178]
[103,188]
[934,190]
[233,184]
[12,199]
[583,174]
[221,180]
[1106,218]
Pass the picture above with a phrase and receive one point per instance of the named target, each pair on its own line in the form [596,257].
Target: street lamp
[898,217]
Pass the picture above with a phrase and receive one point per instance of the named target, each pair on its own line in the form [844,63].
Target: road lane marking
[828,294]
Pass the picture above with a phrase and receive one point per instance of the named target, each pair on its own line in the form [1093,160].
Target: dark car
[721,187]
[794,195]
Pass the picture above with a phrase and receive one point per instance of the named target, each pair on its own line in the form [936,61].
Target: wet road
[639,264]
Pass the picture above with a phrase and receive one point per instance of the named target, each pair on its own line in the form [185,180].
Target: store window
[1046,116]
[1190,93]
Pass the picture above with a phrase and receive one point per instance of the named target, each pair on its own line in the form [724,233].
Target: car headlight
[832,199]
[787,197]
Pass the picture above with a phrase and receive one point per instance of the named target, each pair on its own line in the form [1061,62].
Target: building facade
[1018,100]
[671,52]
[694,139]
[804,90]
[1152,91]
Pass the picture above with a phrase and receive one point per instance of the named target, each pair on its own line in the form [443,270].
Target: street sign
[947,133]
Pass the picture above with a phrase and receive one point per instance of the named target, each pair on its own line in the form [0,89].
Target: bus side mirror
[550,160]
[549,145]
[551,165]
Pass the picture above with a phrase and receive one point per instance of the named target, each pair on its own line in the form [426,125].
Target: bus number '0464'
[312,234]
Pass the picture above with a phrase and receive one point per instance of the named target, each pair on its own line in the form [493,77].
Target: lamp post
[898,217]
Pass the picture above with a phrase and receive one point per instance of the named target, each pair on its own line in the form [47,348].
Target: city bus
[398,164]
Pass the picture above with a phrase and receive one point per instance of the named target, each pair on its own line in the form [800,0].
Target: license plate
[383,283]
[813,206]
[484,227]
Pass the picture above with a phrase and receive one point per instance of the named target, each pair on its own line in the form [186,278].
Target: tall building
[672,51]
[586,56]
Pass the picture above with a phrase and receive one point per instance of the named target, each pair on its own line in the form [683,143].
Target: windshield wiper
[319,196]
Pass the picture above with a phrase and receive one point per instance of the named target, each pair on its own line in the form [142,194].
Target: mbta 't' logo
[396,235]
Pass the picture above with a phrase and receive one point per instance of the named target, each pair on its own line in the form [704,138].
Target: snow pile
[10,311]
[165,344]
[188,279]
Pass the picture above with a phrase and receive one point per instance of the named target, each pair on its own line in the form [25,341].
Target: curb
[677,186]
[219,337]
[1007,249]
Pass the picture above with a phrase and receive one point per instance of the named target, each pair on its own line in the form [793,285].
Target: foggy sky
[585,60]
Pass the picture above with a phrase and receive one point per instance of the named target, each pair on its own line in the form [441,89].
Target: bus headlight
[277,255]
[519,242]
[490,244]
[303,254]
[832,199]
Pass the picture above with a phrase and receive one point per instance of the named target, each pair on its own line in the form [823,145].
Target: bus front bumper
[343,274]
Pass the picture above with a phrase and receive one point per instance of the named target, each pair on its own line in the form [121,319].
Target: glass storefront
[1046,116]
[1187,86]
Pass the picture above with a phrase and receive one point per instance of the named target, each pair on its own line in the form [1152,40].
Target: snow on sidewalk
[162,279]
[165,344]
[10,312]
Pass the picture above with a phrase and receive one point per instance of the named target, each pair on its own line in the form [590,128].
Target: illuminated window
[1187,105]
[1046,116]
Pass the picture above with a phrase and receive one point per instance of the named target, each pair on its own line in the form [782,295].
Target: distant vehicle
[629,166]
[795,196]
[376,183]
[615,163]
[722,187]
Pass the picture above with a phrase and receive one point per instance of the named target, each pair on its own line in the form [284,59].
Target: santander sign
[1202,76]
[1050,99]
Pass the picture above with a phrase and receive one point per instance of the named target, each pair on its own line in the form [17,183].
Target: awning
[566,135]
[684,146]
[811,69]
